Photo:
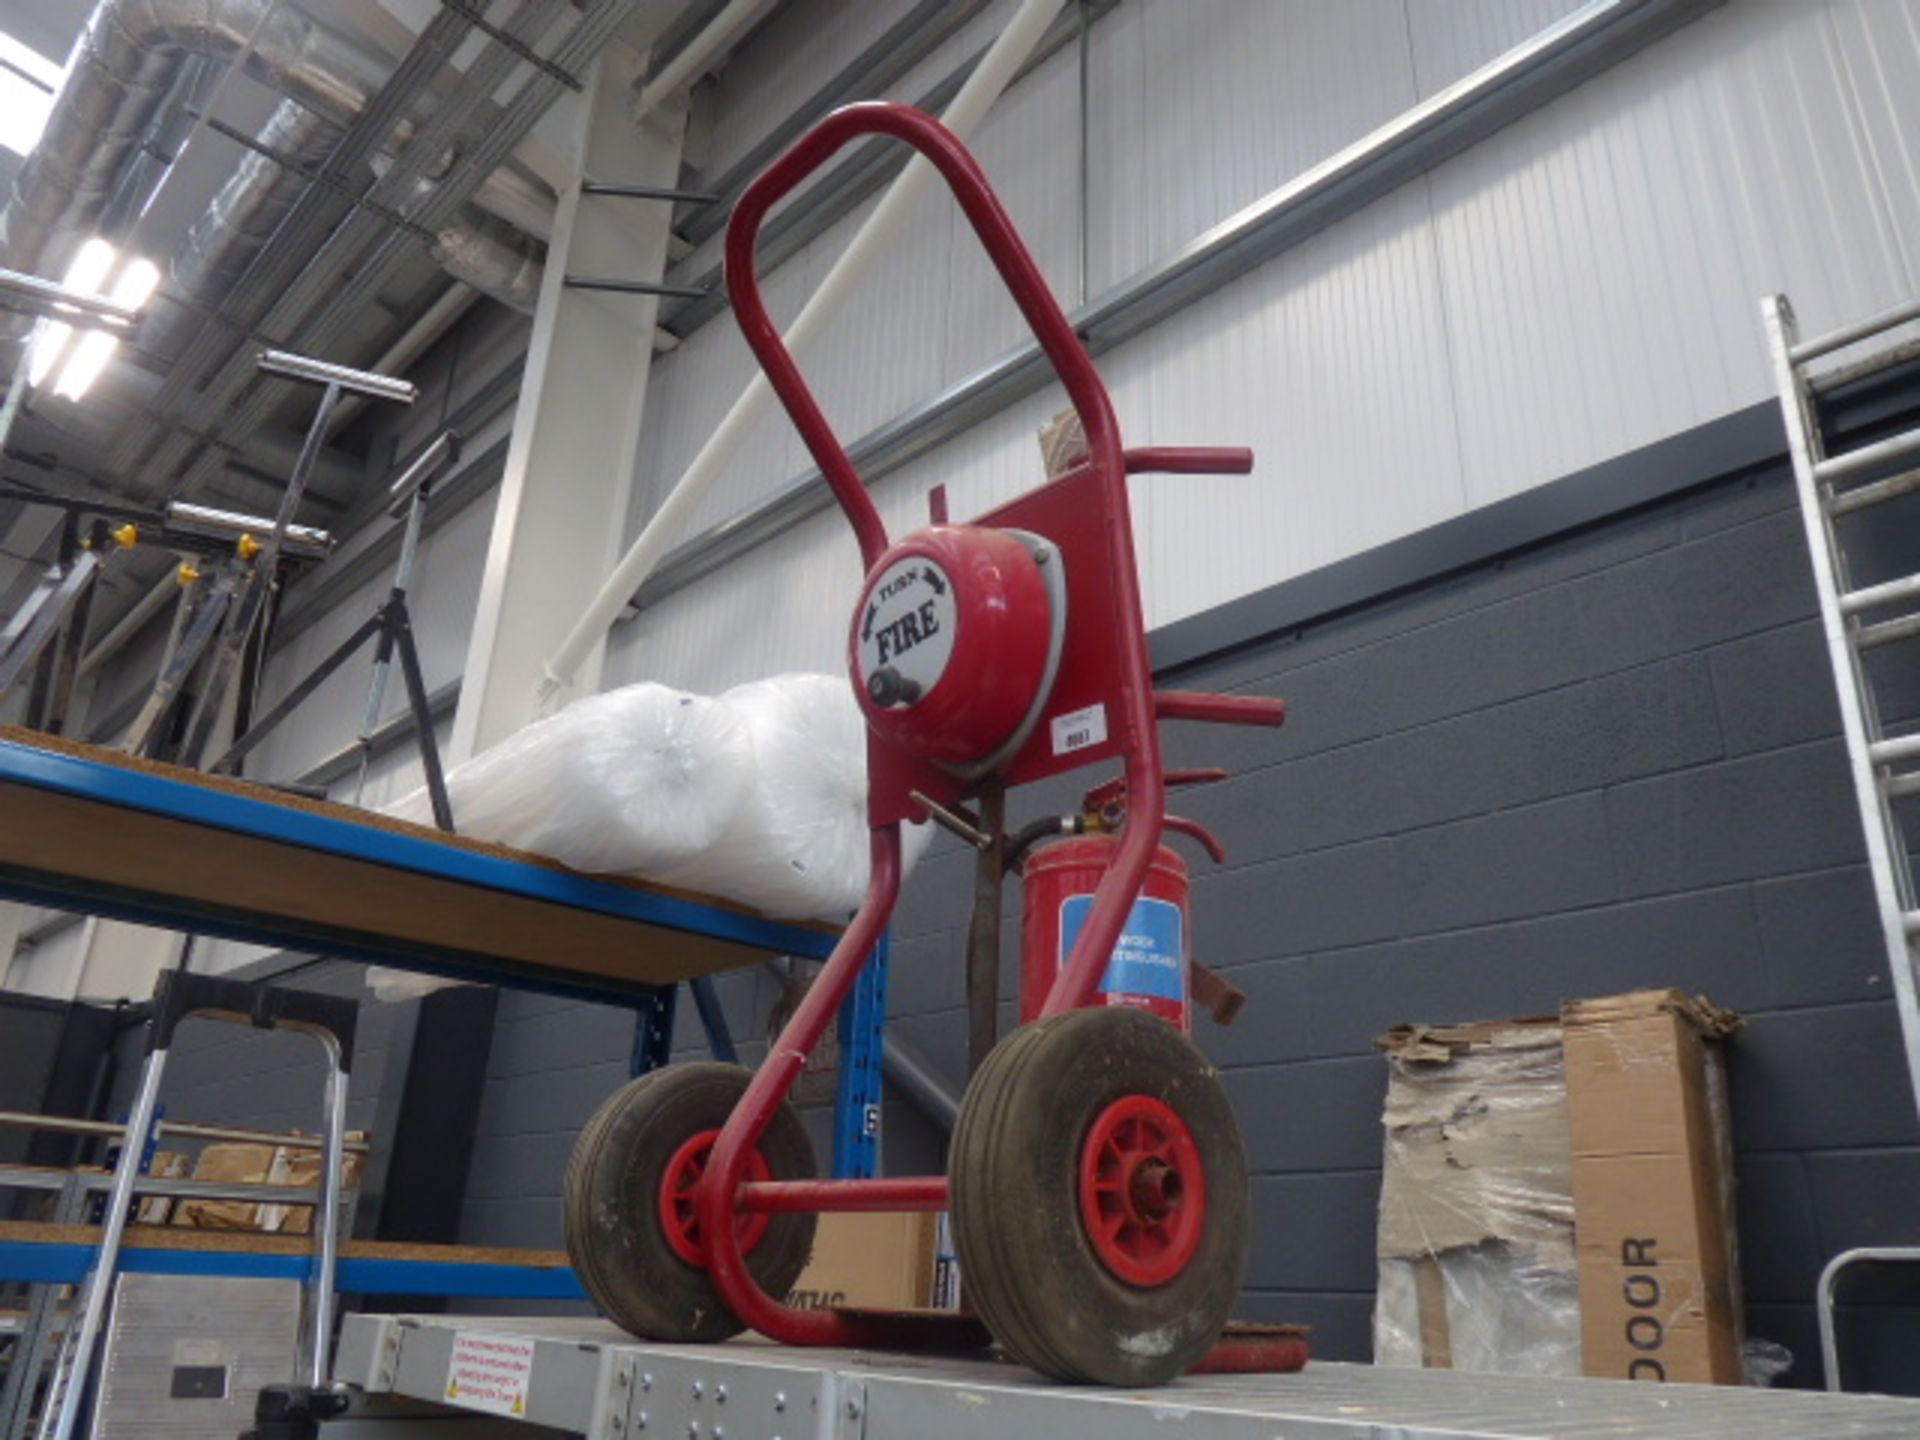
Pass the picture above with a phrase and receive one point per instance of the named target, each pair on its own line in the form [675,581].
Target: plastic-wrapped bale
[798,847]
[634,781]
[1478,1269]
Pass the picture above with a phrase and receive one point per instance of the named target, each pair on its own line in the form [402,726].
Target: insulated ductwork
[122,71]
[493,257]
[240,220]
[127,61]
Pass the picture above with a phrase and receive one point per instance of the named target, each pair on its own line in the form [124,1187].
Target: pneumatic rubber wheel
[1099,1198]
[632,1235]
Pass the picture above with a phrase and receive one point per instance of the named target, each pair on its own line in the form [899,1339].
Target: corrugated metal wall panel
[1879,46]
[741,126]
[1029,143]
[1452,38]
[1332,364]
[783,609]
[1198,112]
[1602,261]
[689,390]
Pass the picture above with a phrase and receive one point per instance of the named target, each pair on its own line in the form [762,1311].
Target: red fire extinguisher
[1148,970]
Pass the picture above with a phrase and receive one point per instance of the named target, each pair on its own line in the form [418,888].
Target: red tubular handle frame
[1080,976]
[1004,248]
[719,1197]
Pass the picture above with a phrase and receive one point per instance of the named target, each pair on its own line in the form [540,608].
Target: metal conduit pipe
[239,221]
[485,246]
[122,70]
[480,246]
[129,58]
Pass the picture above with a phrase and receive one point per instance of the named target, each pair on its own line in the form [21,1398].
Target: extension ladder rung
[1846,501]
[1829,380]
[1887,631]
[1849,463]
[1912,921]
[1900,786]
[1891,752]
[1852,334]
[1872,597]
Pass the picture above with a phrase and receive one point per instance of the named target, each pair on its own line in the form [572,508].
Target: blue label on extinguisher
[1150,958]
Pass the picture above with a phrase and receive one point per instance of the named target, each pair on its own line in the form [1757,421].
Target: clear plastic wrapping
[634,781]
[1476,1244]
[798,847]
[759,796]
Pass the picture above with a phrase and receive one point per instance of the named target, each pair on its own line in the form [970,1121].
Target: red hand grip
[1206,775]
[1219,709]
[1004,248]
[1190,460]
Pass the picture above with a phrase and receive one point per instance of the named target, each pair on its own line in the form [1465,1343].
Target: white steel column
[563,500]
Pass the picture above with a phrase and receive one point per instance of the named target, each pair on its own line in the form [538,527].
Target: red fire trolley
[1097,1184]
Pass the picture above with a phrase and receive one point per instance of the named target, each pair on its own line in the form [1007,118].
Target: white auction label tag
[489,1372]
[1077,729]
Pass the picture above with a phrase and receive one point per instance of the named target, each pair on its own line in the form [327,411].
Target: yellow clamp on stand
[126,537]
[186,574]
[247,547]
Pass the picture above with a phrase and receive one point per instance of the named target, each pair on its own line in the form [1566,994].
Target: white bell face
[907,625]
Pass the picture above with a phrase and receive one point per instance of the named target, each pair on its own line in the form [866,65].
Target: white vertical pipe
[989,78]
[697,54]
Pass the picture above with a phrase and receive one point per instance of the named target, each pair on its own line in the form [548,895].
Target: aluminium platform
[88,829]
[588,1378]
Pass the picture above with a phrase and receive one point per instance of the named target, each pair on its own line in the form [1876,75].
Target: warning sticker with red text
[489,1372]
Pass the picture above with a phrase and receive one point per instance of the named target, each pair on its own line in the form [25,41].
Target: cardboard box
[1653,1187]
[166,1165]
[1557,1195]
[231,1164]
[879,1261]
[246,1163]
[1476,1247]
[303,1170]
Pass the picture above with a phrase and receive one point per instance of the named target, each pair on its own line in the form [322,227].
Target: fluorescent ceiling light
[89,358]
[133,289]
[28,83]
[88,273]
[49,342]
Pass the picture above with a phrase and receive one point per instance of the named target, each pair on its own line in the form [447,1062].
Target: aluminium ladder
[1856,620]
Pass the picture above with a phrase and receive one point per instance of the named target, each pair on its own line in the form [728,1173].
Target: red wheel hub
[678,1217]
[1143,1193]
